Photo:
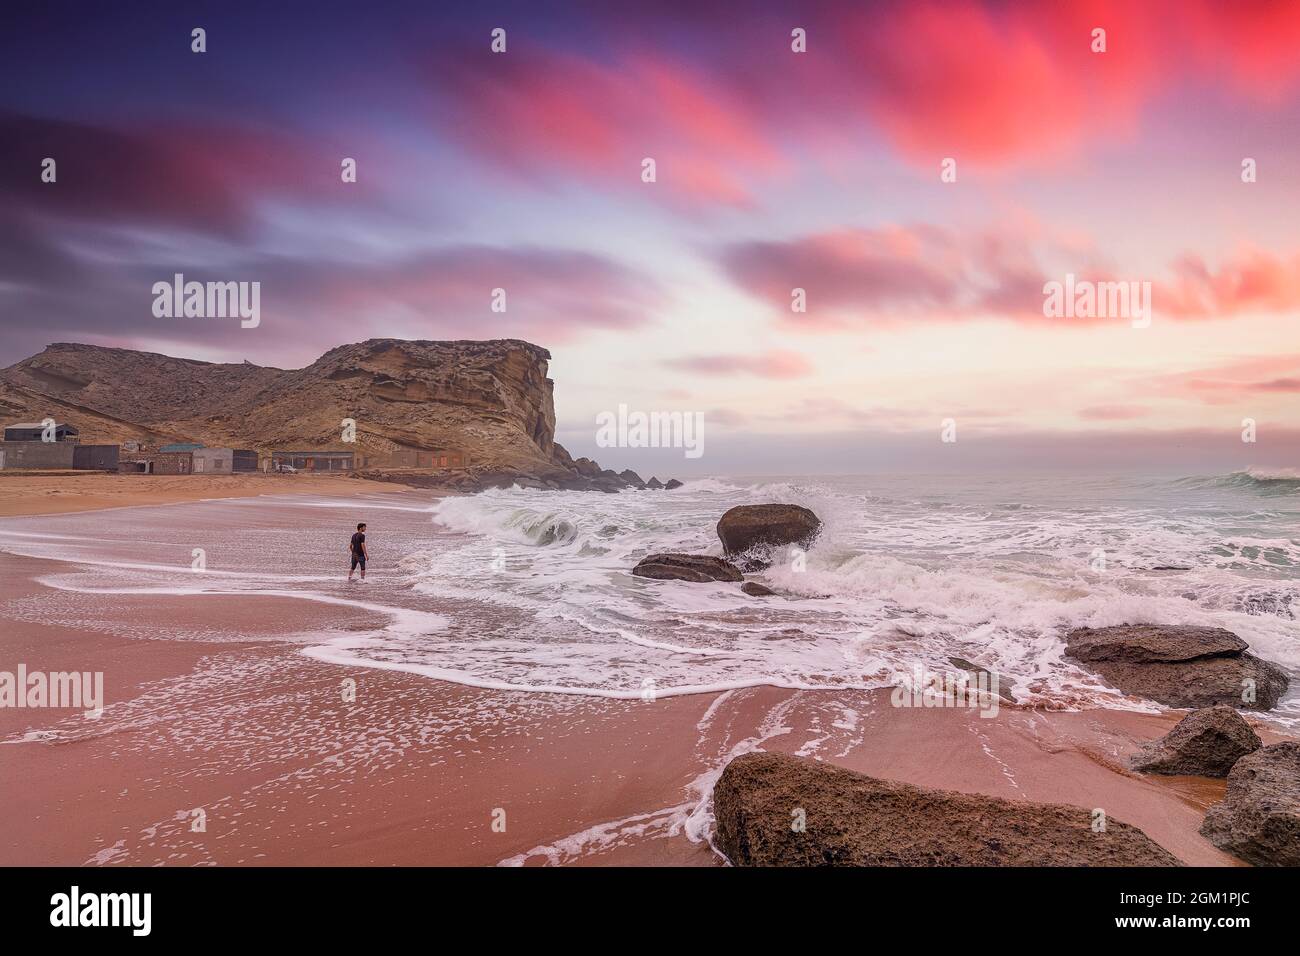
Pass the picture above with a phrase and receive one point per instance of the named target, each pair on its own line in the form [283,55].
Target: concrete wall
[57,454]
[37,454]
[95,457]
[157,463]
[314,460]
[416,458]
[213,461]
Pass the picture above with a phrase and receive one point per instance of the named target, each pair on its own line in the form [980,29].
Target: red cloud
[1254,280]
[992,84]
[928,272]
[775,364]
[913,271]
[536,112]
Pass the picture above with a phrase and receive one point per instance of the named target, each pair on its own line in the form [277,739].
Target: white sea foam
[535,591]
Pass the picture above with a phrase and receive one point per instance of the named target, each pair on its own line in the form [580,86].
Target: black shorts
[358,559]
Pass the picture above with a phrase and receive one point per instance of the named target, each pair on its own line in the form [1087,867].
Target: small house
[157,463]
[335,461]
[35,431]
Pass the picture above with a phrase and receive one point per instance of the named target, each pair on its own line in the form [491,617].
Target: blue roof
[181,446]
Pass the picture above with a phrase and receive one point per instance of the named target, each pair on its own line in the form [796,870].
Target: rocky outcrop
[1205,743]
[632,478]
[749,533]
[489,401]
[699,568]
[754,589]
[654,484]
[991,679]
[1259,816]
[777,810]
[1179,665]
[671,483]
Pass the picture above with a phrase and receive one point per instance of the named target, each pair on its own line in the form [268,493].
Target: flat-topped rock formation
[490,402]
[1179,665]
[777,810]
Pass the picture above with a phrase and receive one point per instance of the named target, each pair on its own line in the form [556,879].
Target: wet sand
[234,720]
[27,493]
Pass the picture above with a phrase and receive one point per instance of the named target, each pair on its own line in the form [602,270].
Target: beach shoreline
[263,745]
[29,493]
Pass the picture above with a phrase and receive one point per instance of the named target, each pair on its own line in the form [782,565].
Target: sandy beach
[222,742]
[36,493]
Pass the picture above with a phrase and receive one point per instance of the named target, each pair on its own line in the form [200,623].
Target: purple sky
[775,169]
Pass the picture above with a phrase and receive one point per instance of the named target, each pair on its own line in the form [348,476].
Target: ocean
[907,571]
[530,590]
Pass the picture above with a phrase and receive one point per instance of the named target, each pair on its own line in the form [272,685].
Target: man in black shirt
[359,552]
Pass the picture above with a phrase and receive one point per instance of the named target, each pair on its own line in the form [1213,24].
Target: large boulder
[1259,816]
[751,532]
[672,483]
[654,484]
[1178,665]
[1205,743]
[754,589]
[632,478]
[850,819]
[687,567]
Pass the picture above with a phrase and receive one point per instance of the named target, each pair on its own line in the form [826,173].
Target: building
[181,446]
[57,455]
[157,463]
[417,458]
[35,431]
[314,460]
[213,461]
[223,461]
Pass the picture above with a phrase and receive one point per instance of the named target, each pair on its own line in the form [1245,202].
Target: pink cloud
[1253,280]
[1112,413]
[774,364]
[990,84]
[930,273]
[541,111]
[1230,382]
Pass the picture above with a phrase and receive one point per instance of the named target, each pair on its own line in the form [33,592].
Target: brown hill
[490,400]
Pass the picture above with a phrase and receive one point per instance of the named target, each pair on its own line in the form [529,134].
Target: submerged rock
[632,478]
[992,678]
[671,483]
[754,589]
[699,568]
[1179,665]
[654,483]
[751,532]
[1259,816]
[777,810]
[1205,743]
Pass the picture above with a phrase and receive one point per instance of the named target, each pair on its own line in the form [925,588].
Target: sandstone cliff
[490,400]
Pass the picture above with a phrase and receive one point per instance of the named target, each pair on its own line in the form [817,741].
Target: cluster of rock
[587,475]
[1179,665]
[749,536]
[778,810]
[1259,816]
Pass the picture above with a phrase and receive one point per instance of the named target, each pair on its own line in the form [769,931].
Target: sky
[775,169]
